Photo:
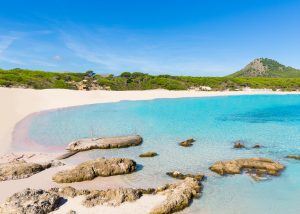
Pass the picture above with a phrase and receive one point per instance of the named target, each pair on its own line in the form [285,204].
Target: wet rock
[21,169]
[105,143]
[31,201]
[256,146]
[239,145]
[91,169]
[178,196]
[296,157]
[258,166]
[148,154]
[179,175]
[111,197]
[187,143]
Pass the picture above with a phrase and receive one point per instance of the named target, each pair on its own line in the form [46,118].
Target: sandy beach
[19,103]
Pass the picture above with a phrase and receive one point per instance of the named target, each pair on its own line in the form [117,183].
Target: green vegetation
[264,67]
[137,81]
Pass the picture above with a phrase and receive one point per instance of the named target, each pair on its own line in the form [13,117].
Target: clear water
[272,121]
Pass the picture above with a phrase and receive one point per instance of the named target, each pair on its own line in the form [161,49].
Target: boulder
[258,166]
[91,169]
[21,169]
[178,196]
[148,154]
[239,145]
[111,197]
[31,201]
[187,143]
[179,175]
[296,157]
[105,143]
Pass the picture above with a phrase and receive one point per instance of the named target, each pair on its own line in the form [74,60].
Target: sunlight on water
[272,121]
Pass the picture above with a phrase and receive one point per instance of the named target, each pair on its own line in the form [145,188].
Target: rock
[111,197]
[178,196]
[67,155]
[31,201]
[91,169]
[256,146]
[21,169]
[105,143]
[187,143]
[258,166]
[69,192]
[148,154]
[71,212]
[179,175]
[296,157]
[239,145]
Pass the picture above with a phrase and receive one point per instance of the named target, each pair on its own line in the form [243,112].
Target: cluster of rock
[21,169]
[31,201]
[256,166]
[178,175]
[187,143]
[93,168]
[148,155]
[241,145]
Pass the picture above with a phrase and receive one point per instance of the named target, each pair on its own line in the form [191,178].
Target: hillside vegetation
[263,67]
[137,81]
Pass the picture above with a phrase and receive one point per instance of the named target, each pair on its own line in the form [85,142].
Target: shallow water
[272,121]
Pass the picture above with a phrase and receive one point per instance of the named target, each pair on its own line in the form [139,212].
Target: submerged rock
[105,143]
[178,196]
[187,143]
[296,157]
[31,201]
[148,154]
[91,169]
[239,145]
[256,146]
[21,169]
[258,166]
[179,175]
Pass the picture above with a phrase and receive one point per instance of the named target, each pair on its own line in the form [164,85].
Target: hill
[264,67]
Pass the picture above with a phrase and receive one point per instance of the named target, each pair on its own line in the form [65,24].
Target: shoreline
[22,103]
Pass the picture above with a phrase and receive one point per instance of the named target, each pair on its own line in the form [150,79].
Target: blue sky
[180,37]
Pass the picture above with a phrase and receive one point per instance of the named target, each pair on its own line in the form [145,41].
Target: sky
[178,37]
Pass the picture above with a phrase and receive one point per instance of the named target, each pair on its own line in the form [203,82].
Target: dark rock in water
[21,169]
[256,146]
[239,145]
[179,196]
[31,201]
[187,143]
[296,157]
[91,169]
[179,175]
[258,166]
[105,143]
[148,154]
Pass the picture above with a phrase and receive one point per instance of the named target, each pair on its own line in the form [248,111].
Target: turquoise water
[272,121]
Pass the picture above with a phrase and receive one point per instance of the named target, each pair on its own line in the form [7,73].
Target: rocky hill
[264,67]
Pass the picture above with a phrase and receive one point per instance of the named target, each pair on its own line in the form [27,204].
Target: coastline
[19,103]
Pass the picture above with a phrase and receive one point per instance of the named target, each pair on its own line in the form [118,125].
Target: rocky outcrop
[105,143]
[111,197]
[148,154]
[256,166]
[239,145]
[179,175]
[94,168]
[21,169]
[178,196]
[296,157]
[187,143]
[31,201]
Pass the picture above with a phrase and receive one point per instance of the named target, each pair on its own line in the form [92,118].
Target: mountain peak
[264,67]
